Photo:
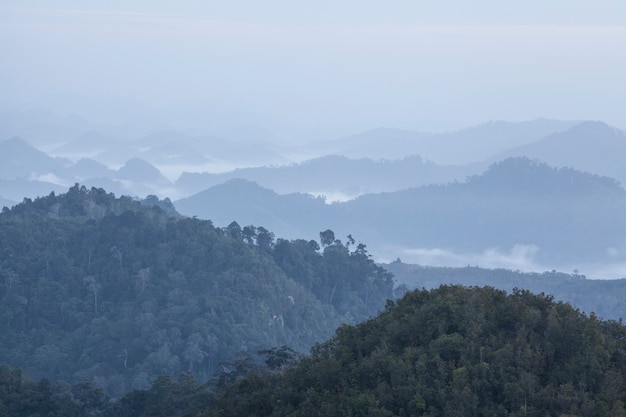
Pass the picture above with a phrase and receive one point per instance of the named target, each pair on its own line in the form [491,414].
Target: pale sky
[318,67]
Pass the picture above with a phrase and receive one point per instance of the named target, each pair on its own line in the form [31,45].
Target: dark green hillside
[453,351]
[114,292]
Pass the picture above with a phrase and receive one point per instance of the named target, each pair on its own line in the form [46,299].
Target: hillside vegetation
[563,217]
[113,292]
[452,351]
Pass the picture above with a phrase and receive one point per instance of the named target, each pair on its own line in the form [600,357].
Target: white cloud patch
[519,257]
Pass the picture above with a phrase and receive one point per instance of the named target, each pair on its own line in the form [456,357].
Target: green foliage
[115,292]
[453,351]
[21,396]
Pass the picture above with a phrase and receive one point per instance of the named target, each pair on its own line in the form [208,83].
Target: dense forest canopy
[117,292]
[451,351]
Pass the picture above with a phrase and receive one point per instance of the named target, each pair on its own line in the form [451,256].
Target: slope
[560,218]
[453,351]
[114,292]
[590,146]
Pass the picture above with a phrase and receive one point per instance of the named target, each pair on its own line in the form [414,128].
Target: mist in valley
[186,185]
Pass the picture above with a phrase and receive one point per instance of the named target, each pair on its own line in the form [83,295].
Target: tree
[193,353]
[117,254]
[280,358]
[234,230]
[327,237]
[93,286]
[143,277]
[264,238]
[249,234]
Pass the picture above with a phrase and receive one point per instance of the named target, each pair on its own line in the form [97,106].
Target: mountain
[138,170]
[590,146]
[140,178]
[42,128]
[114,292]
[604,297]
[18,159]
[520,209]
[172,153]
[561,216]
[460,147]
[172,147]
[335,176]
[86,168]
[248,203]
[88,144]
[452,351]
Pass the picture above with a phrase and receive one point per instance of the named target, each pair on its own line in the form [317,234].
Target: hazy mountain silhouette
[248,203]
[87,168]
[88,144]
[606,298]
[566,215]
[459,147]
[175,148]
[589,146]
[175,154]
[558,216]
[42,128]
[139,171]
[118,155]
[336,175]
[18,159]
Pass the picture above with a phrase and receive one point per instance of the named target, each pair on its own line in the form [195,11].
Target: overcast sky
[322,67]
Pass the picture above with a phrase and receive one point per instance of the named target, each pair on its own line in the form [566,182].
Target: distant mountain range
[336,177]
[374,161]
[460,147]
[520,210]
[554,216]
[590,146]
[28,172]
[605,298]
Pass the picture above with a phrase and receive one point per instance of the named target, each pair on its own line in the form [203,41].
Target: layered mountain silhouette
[18,159]
[558,216]
[464,146]
[88,144]
[561,216]
[590,146]
[336,176]
[28,172]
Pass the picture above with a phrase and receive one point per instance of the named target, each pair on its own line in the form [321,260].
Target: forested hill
[453,351]
[115,292]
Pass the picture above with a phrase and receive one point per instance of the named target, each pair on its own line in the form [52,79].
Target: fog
[518,258]
[335,100]
[316,69]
